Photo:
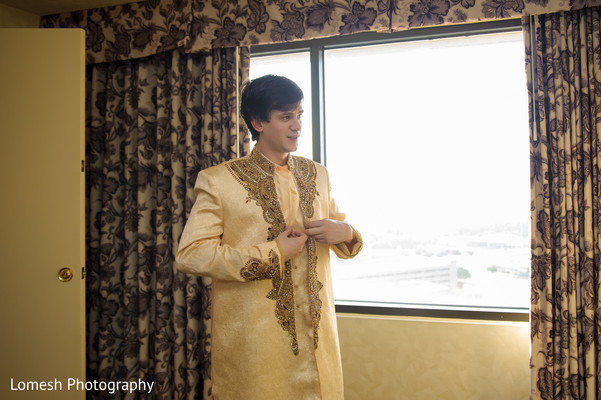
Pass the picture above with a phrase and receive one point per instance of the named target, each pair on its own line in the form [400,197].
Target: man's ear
[258,125]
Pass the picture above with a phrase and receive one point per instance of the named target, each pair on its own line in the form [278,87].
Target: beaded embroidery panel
[305,174]
[255,174]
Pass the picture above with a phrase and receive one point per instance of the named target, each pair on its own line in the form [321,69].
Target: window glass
[427,149]
[295,66]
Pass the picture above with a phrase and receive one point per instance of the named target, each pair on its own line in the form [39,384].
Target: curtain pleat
[151,125]
[563,59]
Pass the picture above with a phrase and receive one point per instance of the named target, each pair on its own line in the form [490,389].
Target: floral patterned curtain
[149,27]
[564,64]
[151,125]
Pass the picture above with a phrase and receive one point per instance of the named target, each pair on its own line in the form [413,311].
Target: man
[261,228]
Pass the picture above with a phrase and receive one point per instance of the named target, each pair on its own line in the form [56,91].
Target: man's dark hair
[263,95]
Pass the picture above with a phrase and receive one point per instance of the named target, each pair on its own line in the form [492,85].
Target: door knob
[65,274]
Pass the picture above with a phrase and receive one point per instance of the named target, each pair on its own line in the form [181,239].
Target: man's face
[281,134]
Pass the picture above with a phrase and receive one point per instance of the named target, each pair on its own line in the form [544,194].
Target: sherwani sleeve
[201,249]
[341,249]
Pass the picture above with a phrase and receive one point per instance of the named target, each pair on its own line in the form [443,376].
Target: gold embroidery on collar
[305,173]
[257,158]
[255,174]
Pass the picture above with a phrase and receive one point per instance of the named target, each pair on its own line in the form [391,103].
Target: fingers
[316,229]
[291,233]
[328,231]
[312,232]
[292,244]
[300,234]
[315,224]
[288,232]
[295,234]
[313,228]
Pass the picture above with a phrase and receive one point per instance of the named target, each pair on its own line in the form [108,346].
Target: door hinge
[83,166]
[83,272]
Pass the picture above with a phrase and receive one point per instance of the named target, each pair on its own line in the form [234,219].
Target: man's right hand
[292,242]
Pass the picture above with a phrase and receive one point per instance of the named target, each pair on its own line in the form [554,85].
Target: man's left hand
[329,231]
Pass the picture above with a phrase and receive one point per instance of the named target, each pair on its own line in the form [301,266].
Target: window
[426,142]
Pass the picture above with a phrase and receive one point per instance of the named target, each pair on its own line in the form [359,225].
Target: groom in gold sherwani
[262,228]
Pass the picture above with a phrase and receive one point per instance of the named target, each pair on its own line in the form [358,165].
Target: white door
[41,213]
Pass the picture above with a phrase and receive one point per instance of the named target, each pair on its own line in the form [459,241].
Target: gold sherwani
[274,332]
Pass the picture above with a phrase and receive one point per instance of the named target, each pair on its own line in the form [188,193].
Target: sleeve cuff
[268,266]
[343,251]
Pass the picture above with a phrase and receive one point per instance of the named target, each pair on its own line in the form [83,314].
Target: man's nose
[297,125]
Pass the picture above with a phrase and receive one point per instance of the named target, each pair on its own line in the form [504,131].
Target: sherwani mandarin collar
[266,164]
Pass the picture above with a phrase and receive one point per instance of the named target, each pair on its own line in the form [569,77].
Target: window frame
[316,49]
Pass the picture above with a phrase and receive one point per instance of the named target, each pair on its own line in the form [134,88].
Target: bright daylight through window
[427,149]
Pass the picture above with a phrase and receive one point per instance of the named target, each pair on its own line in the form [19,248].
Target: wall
[388,358]
[13,18]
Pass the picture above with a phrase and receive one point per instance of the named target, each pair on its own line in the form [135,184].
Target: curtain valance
[142,29]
